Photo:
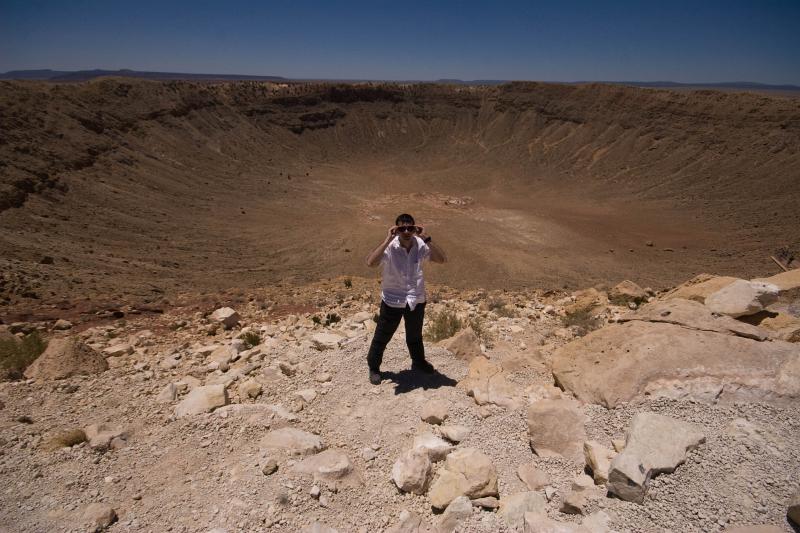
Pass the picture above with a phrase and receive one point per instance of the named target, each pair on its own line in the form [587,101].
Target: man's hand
[392,233]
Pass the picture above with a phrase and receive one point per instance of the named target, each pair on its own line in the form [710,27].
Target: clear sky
[684,41]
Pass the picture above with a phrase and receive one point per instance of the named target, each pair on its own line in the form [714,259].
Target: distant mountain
[84,75]
[42,74]
[737,85]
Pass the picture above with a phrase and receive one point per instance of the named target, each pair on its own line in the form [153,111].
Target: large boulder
[556,427]
[226,316]
[694,315]
[654,444]
[742,298]
[793,511]
[65,357]
[699,288]
[625,362]
[486,382]
[785,281]
[464,344]
[467,472]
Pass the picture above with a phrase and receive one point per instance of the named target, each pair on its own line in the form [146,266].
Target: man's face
[406,230]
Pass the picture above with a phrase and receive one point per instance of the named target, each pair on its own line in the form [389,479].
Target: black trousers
[388,320]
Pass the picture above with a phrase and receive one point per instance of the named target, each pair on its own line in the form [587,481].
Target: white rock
[435,411]
[118,350]
[326,341]
[100,515]
[514,507]
[459,510]
[328,465]
[742,298]
[436,447]
[168,394]
[454,433]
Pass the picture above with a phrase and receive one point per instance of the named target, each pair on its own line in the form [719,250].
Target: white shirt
[402,273]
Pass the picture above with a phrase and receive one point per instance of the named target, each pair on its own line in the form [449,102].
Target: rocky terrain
[620,410]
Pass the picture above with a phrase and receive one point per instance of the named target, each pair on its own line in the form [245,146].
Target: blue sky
[550,41]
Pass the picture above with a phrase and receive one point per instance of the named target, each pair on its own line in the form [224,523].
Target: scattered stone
[118,350]
[62,324]
[292,441]
[467,472]
[202,400]
[319,527]
[269,467]
[598,459]
[742,298]
[66,357]
[323,377]
[487,502]
[654,444]
[556,427]
[411,471]
[409,523]
[793,511]
[454,433]
[328,465]
[755,529]
[100,515]
[326,341]
[226,316]
[465,344]
[456,512]
[541,523]
[250,389]
[514,507]
[308,395]
[435,411]
[436,447]
[168,394]
[533,477]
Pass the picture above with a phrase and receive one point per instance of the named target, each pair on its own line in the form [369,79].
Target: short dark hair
[405,218]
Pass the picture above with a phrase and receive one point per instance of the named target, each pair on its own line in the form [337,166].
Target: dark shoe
[423,366]
[374,377]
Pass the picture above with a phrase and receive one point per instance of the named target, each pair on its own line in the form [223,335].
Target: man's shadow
[408,380]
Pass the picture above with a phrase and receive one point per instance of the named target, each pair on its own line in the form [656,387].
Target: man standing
[402,291]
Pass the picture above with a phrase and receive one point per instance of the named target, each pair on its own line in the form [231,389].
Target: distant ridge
[85,75]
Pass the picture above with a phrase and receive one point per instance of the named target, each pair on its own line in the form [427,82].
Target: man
[402,291]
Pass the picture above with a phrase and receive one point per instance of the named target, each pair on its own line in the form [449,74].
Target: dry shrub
[500,307]
[17,354]
[442,325]
[250,339]
[478,325]
[583,322]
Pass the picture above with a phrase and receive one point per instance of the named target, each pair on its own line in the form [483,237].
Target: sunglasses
[412,229]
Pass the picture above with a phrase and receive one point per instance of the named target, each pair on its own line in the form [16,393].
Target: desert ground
[193,254]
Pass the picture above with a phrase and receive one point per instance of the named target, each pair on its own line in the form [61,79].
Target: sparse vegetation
[250,339]
[17,354]
[478,325]
[501,308]
[582,322]
[348,283]
[330,318]
[442,325]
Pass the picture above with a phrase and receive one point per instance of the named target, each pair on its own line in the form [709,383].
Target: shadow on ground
[408,380]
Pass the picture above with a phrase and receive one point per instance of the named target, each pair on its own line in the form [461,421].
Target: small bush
[582,321]
[250,339]
[442,325]
[17,354]
[348,283]
[330,318]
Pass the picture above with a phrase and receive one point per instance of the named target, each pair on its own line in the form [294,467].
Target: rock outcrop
[65,357]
